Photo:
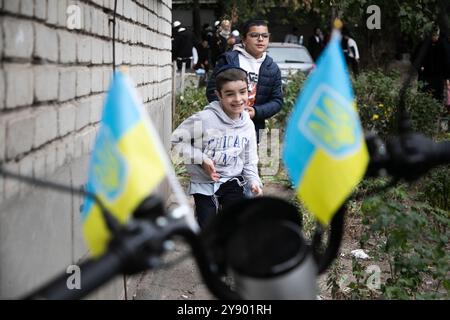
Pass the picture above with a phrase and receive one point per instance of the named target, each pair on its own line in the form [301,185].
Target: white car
[290,58]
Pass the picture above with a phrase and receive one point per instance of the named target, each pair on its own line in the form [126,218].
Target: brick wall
[56,65]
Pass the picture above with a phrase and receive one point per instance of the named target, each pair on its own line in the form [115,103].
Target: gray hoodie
[211,133]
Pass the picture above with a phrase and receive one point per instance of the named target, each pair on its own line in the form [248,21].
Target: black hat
[227,67]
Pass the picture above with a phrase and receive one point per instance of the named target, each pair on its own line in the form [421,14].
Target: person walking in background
[175,26]
[315,43]
[264,77]
[351,51]
[434,67]
[183,45]
[233,40]
[219,148]
[292,37]
[220,40]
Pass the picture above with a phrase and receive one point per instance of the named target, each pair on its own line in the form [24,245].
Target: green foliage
[436,188]
[413,238]
[291,91]
[377,99]
[191,101]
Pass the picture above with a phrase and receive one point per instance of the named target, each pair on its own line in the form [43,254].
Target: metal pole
[174,92]
[183,73]
[114,37]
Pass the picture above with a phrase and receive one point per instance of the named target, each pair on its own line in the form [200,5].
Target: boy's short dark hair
[229,73]
[253,23]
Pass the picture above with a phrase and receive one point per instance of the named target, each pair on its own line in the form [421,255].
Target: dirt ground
[183,282]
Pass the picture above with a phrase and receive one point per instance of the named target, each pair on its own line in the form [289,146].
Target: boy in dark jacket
[264,76]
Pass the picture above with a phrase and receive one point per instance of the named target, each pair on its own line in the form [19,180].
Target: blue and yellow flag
[325,152]
[126,163]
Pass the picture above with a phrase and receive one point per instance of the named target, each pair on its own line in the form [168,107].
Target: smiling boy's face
[233,98]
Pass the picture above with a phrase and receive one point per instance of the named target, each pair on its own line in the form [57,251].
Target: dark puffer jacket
[269,94]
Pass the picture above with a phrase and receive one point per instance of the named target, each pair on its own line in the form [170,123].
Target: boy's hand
[256,190]
[251,112]
[210,169]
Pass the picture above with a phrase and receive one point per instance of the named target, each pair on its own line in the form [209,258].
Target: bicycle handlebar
[94,273]
[406,157]
[138,246]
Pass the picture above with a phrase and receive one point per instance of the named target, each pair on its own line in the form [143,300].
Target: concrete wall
[56,62]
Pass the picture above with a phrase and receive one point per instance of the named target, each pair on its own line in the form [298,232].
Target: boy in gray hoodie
[218,147]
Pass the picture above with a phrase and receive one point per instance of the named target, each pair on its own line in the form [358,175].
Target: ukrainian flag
[325,152]
[126,164]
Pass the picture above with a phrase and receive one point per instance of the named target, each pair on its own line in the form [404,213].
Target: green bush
[436,188]
[191,101]
[291,91]
[412,237]
[377,100]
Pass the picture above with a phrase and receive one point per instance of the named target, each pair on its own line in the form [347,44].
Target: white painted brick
[70,147]
[18,37]
[97,51]
[107,76]
[38,163]
[87,19]
[120,7]
[121,30]
[132,30]
[126,57]
[107,27]
[134,9]
[11,186]
[11,6]
[60,154]
[62,16]
[86,141]
[40,9]
[67,47]
[19,134]
[2,90]
[82,115]
[140,15]
[2,138]
[145,17]
[2,182]
[84,53]
[98,22]
[26,169]
[66,119]
[140,56]
[133,55]
[46,83]
[45,126]
[1,42]
[46,44]
[99,2]
[52,11]
[78,146]
[19,88]
[107,52]
[67,84]
[109,4]
[50,159]
[96,108]
[119,53]
[126,9]
[27,7]
[97,79]
[83,81]
[95,16]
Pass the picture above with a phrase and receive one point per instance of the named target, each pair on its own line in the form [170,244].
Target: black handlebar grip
[94,273]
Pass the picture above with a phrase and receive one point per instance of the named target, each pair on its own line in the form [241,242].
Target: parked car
[291,58]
